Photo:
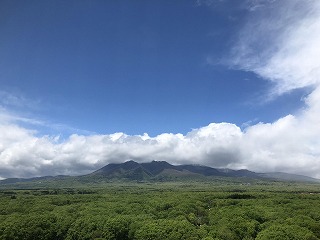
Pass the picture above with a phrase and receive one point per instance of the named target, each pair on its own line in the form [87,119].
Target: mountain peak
[130,163]
[132,170]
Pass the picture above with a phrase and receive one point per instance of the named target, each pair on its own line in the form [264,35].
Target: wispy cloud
[280,44]
[18,109]
[254,5]
[17,100]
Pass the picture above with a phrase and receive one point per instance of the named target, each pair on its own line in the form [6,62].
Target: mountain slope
[288,177]
[129,170]
[158,171]
[164,170]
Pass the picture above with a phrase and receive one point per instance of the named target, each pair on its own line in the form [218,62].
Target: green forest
[162,211]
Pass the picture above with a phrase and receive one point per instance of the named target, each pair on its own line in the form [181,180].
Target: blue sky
[153,69]
[134,67]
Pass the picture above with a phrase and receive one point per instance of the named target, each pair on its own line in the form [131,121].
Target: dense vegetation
[162,211]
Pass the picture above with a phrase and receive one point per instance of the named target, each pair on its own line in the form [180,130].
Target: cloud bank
[279,43]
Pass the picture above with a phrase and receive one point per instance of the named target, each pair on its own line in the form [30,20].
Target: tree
[286,232]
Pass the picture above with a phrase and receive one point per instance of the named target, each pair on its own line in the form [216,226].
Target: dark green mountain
[156,171]
[129,170]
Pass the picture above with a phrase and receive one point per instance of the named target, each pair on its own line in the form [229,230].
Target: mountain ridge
[164,171]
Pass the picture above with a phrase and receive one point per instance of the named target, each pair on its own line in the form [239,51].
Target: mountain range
[159,171]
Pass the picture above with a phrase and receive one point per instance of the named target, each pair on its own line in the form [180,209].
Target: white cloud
[24,154]
[289,144]
[279,43]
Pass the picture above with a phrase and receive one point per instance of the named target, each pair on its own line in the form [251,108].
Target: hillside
[155,171]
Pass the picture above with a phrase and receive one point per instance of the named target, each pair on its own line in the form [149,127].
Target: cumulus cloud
[22,154]
[279,43]
[284,145]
